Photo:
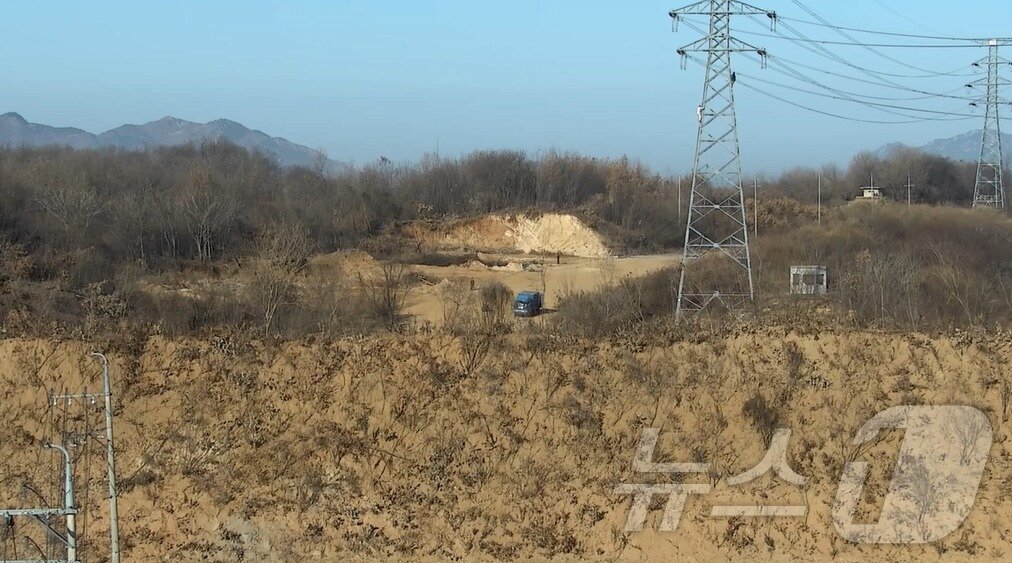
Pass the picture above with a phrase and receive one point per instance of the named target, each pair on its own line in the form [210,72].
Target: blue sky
[361,78]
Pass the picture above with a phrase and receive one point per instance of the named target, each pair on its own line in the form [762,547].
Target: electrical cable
[958,116]
[911,119]
[879,32]
[826,113]
[785,69]
[877,78]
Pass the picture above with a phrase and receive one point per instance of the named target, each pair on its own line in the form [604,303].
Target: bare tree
[207,211]
[72,205]
[279,256]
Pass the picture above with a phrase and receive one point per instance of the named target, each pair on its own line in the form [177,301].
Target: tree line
[83,225]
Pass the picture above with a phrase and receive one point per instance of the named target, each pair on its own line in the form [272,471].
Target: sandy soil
[386,446]
[547,233]
[574,274]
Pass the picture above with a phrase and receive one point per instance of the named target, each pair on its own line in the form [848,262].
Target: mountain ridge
[15,130]
[964,146]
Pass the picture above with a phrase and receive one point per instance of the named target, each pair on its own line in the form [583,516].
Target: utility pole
[68,500]
[716,221]
[755,205]
[989,188]
[910,187]
[679,198]
[111,458]
[820,197]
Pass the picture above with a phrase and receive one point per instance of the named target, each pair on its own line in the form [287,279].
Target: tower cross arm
[696,9]
[704,45]
[732,7]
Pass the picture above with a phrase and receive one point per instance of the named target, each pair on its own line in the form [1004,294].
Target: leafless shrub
[387,295]
[765,417]
[968,432]
[770,403]
[279,256]
[618,307]
[15,262]
[495,311]
[477,318]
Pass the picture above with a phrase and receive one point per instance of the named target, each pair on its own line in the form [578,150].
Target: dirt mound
[385,446]
[546,234]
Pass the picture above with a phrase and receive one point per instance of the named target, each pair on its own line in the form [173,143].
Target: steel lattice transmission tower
[716,221]
[989,189]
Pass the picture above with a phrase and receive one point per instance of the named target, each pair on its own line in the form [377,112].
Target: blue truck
[528,304]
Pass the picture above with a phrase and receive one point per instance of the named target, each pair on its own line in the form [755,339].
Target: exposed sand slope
[384,446]
[549,234]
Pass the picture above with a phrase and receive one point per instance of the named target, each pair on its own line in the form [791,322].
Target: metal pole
[909,186]
[755,206]
[113,512]
[820,197]
[68,500]
[679,198]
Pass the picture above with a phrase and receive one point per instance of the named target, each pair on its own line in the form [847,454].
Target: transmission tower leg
[716,263]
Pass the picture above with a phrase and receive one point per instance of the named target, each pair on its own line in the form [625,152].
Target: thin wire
[846,96]
[821,51]
[778,64]
[852,38]
[826,113]
[779,61]
[849,77]
[866,45]
[810,47]
[875,74]
[830,114]
[956,116]
[906,17]
[879,32]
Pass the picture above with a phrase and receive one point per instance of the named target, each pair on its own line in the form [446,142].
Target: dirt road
[540,274]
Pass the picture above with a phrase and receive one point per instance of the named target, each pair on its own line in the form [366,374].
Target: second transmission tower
[716,222]
[989,189]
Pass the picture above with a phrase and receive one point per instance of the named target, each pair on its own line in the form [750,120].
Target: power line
[880,32]
[911,118]
[869,45]
[787,70]
[806,43]
[829,114]
[867,81]
[880,77]
[846,35]
[959,116]
[794,73]
[875,77]
[904,16]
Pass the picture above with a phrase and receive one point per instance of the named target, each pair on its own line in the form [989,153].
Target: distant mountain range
[961,147]
[167,131]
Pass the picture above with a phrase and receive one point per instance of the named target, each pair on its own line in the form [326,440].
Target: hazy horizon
[361,80]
